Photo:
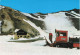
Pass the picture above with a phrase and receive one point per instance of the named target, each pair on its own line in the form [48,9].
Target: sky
[43,6]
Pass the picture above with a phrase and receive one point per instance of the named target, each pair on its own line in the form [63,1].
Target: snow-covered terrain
[32,48]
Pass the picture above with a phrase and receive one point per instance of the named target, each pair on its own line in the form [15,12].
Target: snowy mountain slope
[59,21]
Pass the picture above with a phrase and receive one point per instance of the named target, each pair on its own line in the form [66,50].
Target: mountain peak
[75,10]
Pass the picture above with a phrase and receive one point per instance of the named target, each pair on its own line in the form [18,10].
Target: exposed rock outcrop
[13,19]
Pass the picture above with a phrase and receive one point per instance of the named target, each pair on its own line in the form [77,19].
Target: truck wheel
[78,47]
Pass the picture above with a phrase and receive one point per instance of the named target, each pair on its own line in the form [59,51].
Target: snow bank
[28,39]
[5,38]
[30,49]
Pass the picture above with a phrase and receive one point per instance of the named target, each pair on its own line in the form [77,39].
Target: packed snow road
[32,48]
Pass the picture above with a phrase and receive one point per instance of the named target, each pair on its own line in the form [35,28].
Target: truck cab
[61,36]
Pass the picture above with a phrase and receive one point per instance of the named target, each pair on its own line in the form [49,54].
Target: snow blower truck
[62,40]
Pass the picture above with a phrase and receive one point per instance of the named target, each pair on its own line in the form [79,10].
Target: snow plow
[63,41]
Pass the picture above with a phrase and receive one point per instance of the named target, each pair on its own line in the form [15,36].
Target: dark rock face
[76,10]
[69,15]
[76,23]
[34,15]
